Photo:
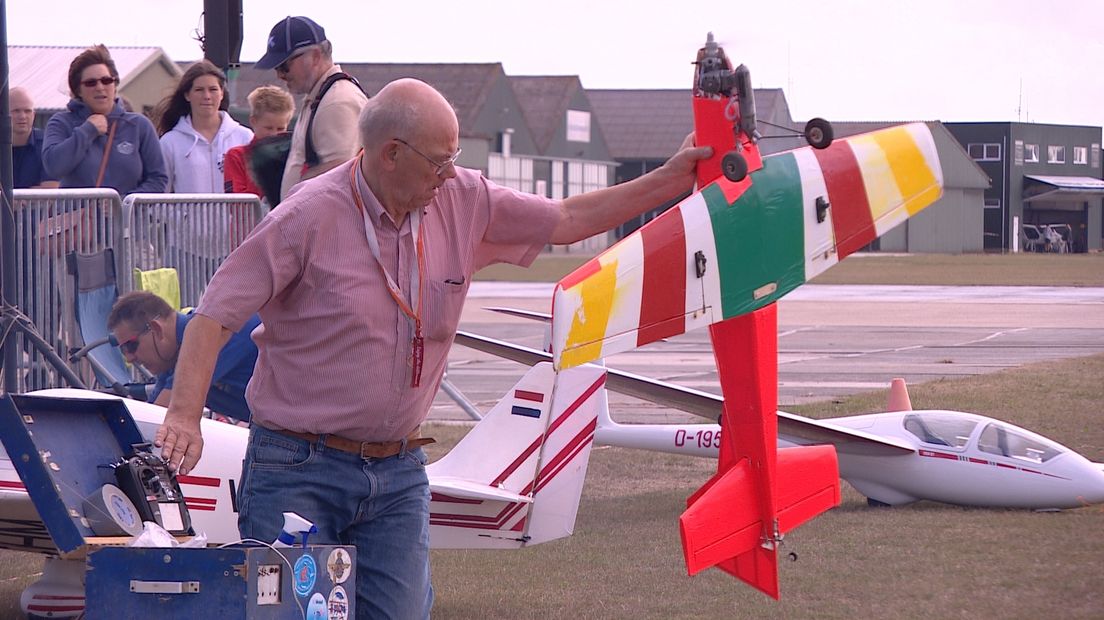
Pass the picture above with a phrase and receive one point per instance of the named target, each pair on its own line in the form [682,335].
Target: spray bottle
[296,529]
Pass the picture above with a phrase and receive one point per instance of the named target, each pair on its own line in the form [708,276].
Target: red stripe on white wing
[536,397]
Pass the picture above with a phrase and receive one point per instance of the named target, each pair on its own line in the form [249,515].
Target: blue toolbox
[94,479]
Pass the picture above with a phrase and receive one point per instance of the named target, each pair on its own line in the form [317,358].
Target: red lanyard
[417,344]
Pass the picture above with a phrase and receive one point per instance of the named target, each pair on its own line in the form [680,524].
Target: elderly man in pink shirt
[359,278]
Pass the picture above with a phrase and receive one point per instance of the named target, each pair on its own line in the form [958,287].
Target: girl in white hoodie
[196,131]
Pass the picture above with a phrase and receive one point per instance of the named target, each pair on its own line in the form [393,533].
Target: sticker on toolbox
[306,570]
[316,608]
[338,604]
[339,565]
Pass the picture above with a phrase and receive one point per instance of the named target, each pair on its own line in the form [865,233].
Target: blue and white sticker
[306,571]
[339,565]
[316,608]
[338,604]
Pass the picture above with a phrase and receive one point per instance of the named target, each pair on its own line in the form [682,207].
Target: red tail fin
[736,520]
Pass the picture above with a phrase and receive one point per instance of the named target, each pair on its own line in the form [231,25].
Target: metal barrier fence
[190,232]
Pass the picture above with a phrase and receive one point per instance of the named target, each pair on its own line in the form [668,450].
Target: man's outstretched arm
[179,437]
[588,214]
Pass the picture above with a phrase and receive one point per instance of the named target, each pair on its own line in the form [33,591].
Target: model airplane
[513,481]
[721,258]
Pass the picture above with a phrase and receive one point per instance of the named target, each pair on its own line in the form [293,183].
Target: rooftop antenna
[1019,103]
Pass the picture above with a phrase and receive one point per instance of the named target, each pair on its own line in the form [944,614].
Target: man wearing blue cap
[302,56]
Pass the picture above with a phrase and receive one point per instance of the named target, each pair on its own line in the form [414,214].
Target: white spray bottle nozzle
[296,529]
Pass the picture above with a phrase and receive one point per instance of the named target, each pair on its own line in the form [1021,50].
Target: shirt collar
[371,203]
[318,85]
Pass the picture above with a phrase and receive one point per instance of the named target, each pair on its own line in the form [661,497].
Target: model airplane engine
[717,78]
[724,116]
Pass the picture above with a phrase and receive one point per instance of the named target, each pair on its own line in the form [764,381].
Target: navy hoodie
[73,149]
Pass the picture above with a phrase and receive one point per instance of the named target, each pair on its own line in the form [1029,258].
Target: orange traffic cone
[898,396]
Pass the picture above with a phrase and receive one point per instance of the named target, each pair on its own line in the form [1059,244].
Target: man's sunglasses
[283,67]
[130,345]
[106,80]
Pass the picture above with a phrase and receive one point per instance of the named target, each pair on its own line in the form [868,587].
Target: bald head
[409,109]
[22,115]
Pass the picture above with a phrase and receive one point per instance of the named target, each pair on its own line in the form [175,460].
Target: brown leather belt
[366,449]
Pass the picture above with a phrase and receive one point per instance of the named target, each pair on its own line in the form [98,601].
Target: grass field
[924,560]
[946,269]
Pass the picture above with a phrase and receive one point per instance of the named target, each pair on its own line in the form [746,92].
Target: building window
[992,203]
[984,152]
[582,177]
[578,126]
[1018,152]
[1056,154]
[1095,155]
[1031,153]
[558,179]
[1081,155]
[513,172]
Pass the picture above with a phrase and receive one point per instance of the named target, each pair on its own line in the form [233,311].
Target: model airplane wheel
[818,133]
[734,166]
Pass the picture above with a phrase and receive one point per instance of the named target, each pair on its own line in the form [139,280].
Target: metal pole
[7,214]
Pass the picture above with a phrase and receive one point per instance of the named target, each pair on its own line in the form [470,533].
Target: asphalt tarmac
[832,341]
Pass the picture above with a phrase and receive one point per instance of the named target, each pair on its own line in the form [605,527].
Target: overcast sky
[952,60]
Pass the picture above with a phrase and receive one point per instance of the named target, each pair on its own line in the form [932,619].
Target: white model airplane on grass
[513,481]
[893,458]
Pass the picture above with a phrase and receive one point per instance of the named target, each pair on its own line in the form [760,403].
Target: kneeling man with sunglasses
[149,332]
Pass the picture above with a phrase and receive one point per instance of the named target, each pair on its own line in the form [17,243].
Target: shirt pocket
[443,304]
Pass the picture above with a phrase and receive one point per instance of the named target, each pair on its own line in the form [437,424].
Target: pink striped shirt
[334,347]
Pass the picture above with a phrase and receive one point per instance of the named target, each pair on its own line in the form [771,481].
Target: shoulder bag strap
[106,153]
[312,156]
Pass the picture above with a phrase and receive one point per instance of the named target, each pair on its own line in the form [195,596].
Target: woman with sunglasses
[196,131]
[97,143]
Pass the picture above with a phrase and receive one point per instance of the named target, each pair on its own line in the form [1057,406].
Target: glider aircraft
[894,458]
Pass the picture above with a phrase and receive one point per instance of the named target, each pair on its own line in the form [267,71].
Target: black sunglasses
[106,80]
[131,345]
[284,66]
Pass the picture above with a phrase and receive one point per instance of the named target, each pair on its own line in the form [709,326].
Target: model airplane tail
[723,525]
[517,476]
[737,519]
[729,249]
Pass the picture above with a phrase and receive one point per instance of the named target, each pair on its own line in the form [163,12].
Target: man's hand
[99,121]
[180,441]
[684,162]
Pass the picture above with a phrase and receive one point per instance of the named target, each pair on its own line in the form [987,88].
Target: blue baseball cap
[287,36]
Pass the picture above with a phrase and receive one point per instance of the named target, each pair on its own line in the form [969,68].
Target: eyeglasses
[130,345]
[440,165]
[284,66]
[106,80]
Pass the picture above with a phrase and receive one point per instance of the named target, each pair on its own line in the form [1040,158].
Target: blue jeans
[379,505]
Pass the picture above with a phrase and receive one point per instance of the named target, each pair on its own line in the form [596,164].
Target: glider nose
[1093,492]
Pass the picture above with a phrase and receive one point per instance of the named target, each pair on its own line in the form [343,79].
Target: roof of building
[544,101]
[44,69]
[465,85]
[642,124]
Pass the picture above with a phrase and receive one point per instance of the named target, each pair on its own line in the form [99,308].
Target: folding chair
[95,294]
